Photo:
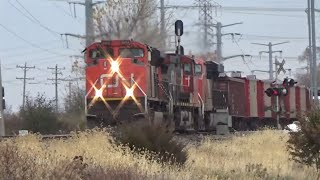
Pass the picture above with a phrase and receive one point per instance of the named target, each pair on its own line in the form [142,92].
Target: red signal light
[269,92]
[276,92]
[285,82]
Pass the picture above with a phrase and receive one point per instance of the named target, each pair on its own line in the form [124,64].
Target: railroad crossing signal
[281,67]
[289,82]
[276,92]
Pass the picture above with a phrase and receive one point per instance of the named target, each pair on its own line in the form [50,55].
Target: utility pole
[25,68]
[2,124]
[310,55]
[162,24]
[270,52]
[314,53]
[90,36]
[56,79]
[69,89]
[219,35]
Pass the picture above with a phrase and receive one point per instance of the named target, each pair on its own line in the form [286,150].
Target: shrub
[39,116]
[13,123]
[157,139]
[304,145]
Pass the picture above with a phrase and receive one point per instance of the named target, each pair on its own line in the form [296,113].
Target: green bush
[304,145]
[157,139]
[39,116]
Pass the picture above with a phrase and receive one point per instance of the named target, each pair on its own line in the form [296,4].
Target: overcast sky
[30,32]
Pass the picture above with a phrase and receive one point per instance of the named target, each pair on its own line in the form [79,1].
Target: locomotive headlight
[114,66]
[129,92]
[98,93]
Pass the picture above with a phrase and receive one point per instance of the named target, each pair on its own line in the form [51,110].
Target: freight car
[128,80]
[250,106]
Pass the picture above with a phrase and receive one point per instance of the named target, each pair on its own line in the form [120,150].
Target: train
[128,80]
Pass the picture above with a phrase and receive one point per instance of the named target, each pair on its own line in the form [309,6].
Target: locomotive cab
[116,76]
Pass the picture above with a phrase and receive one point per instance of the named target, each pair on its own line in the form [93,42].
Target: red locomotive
[126,80]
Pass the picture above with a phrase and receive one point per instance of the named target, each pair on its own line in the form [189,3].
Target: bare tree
[305,78]
[129,19]
[304,56]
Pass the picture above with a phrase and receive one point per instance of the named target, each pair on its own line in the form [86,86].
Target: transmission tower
[207,10]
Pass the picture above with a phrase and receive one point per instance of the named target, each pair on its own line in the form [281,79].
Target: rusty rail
[44,137]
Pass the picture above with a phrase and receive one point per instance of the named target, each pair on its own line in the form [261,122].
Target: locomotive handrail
[172,83]
[202,105]
[145,96]
[85,101]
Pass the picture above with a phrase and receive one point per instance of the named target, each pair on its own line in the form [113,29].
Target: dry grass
[262,155]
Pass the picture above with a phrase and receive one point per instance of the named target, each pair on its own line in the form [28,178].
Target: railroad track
[177,135]
[44,137]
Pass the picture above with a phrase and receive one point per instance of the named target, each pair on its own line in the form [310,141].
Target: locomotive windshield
[131,52]
[197,69]
[96,53]
[187,69]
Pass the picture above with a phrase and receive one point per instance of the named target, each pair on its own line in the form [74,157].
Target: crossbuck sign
[281,67]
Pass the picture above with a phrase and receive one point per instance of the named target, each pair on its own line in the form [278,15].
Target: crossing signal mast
[280,90]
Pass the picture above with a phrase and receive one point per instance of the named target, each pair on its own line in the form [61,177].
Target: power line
[241,8]
[89,4]
[33,19]
[243,57]
[25,47]
[67,13]
[275,37]
[262,9]
[41,60]
[265,14]
[270,52]
[26,41]
[32,52]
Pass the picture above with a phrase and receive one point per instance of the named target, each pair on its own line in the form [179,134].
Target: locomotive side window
[187,69]
[131,52]
[109,52]
[95,53]
[197,69]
